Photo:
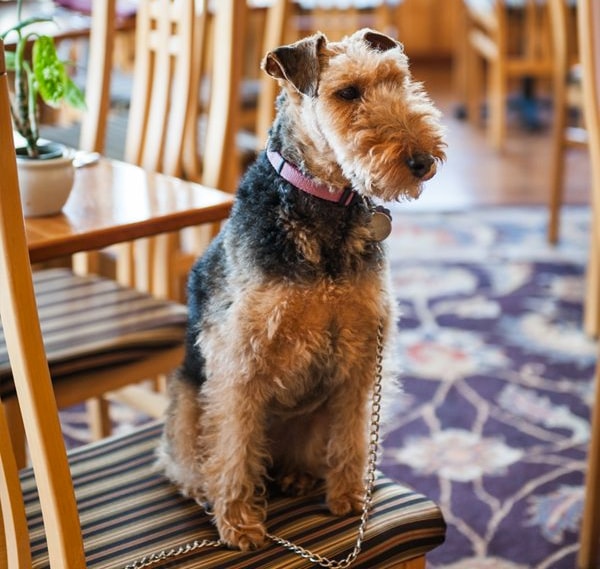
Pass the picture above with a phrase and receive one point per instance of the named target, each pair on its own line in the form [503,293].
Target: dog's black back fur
[261,230]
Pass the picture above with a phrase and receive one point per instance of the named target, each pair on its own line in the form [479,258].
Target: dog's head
[355,105]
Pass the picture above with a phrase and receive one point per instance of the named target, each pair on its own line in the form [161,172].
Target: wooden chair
[567,97]
[156,137]
[514,43]
[100,337]
[87,363]
[172,48]
[343,18]
[276,27]
[588,18]
[590,61]
[104,505]
[173,45]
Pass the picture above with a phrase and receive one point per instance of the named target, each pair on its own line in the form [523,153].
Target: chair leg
[143,399]
[473,83]
[98,417]
[588,557]
[86,263]
[497,106]
[17,430]
[557,169]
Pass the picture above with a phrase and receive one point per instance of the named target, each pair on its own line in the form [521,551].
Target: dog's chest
[301,341]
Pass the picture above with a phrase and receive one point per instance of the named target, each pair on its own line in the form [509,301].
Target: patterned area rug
[497,376]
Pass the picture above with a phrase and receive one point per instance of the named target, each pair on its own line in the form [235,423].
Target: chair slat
[589,47]
[28,361]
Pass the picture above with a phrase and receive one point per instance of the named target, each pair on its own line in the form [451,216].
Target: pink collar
[289,172]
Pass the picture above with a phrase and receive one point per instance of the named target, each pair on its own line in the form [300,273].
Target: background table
[113,202]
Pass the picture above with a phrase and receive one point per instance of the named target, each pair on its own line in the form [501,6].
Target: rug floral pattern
[497,375]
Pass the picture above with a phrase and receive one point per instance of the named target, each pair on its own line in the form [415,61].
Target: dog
[286,303]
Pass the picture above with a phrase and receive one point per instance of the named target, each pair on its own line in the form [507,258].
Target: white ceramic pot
[45,182]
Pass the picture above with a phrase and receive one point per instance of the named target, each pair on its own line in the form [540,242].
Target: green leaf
[74,96]
[49,71]
[10,56]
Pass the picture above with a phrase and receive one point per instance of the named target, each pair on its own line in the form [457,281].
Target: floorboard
[476,175]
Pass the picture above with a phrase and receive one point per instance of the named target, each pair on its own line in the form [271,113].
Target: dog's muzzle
[421,165]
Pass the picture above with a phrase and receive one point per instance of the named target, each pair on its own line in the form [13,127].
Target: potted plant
[46,169]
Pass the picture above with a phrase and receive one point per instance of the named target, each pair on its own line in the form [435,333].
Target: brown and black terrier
[285,305]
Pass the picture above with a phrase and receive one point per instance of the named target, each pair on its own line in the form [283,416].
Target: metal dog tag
[380,225]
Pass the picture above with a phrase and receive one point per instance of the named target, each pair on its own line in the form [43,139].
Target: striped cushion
[128,510]
[92,322]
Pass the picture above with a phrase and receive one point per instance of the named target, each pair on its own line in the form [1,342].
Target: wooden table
[113,202]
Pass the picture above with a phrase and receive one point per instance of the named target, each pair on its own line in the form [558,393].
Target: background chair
[171,52]
[176,45]
[342,18]
[181,48]
[588,18]
[513,41]
[101,336]
[276,33]
[127,509]
[590,62]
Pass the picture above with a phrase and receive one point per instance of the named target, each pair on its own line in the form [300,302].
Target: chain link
[315,558]
[155,558]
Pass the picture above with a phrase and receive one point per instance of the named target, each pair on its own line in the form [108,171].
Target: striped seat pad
[89,322]
[129,510]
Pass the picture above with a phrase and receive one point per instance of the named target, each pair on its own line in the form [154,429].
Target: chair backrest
[517,31]
[162,93]
[220,155]
[566,72]
[534,41]
[172,50]
[175,52]
[277,18]
[560,39]
[32,381]
[97,92]
[588,19]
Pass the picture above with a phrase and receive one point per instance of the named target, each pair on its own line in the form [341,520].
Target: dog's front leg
[348,442]
[235,466]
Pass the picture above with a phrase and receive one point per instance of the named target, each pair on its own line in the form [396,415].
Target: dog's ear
[380,42]
[297,63]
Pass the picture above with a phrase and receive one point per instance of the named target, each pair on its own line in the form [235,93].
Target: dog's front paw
[247,538]
[297,483]
[240,526]
[344,504]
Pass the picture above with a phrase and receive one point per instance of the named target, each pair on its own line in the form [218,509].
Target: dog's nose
[419,164]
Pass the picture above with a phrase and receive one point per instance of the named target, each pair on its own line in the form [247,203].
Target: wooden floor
[476,175]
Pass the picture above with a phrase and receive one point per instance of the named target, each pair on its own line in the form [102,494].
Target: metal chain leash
[154,558]
[315,558]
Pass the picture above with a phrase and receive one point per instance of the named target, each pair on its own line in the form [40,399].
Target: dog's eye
[349,93]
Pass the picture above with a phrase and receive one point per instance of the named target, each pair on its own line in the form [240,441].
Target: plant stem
[33,131]
[24,99]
